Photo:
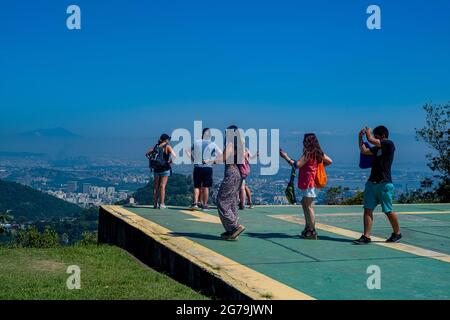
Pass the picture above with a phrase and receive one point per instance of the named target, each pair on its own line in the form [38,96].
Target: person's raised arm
[297,164]
[326,160]
[361,145]
[376,142]
[171,152]
[217,155]
[189,154]
[252,156]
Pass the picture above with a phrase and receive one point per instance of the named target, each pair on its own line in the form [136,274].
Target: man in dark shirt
[379,187]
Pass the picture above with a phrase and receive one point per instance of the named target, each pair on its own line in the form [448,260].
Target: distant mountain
[32,204]
[50,133]
[8,154]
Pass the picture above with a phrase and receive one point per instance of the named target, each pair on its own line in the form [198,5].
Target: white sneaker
[162,206]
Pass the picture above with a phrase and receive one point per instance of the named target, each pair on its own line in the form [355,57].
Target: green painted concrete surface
[331,267]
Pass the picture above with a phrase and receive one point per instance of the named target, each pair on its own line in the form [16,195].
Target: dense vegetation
[44,219]
[73,229]
[340,196]
[435,134]
[25,203]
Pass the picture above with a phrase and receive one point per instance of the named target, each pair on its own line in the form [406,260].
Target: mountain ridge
[26,202]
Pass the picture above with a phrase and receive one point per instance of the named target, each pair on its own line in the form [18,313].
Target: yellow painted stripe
[248,281]
[357,214]
[376,240]
[201,216]
[354,205]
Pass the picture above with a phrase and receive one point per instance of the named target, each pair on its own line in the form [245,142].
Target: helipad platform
[270,261]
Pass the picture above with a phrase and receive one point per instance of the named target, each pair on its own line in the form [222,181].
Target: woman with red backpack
[311,176]
[245,195]
[160,159]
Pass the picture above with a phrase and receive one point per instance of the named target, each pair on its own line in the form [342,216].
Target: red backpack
[244,168]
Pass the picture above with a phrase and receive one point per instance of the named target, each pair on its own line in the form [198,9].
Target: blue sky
[141,67]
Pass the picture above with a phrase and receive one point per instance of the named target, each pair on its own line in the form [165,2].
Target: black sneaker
[241,206]
[362,240]
[394,238]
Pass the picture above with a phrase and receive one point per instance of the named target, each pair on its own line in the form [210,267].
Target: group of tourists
[234,193]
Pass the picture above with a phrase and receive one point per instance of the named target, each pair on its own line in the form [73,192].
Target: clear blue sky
[294,65]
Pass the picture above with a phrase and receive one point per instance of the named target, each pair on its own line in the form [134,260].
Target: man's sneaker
[236,232]
[205,207]
[394,238]
[362,240]
[194,207]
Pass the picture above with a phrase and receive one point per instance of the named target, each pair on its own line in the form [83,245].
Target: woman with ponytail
[308,165]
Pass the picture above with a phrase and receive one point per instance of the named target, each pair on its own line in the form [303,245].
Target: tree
[340,196]
[335,195]
[4,219]
[88,238]
[32,238]
[425,194]
[435,133]
[356,199]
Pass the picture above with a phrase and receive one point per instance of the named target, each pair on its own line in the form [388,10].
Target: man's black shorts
[203,177]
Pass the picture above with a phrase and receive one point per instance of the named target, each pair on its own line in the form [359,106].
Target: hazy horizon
[137,69]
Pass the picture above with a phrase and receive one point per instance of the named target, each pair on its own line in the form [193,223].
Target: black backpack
[158,160]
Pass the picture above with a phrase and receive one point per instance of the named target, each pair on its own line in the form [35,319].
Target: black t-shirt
[382,162]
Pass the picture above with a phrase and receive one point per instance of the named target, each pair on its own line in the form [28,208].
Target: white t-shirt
[204,150]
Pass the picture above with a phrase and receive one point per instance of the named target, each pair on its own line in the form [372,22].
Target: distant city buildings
[280,200]
[72,186]
[91,195]
[106,181]
[86,187]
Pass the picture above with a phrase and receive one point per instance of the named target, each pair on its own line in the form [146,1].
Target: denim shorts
[378,193]
[309,193]
[162,174]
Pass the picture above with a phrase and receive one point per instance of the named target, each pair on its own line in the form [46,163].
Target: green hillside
[107,273]
[179,191]
[32,204]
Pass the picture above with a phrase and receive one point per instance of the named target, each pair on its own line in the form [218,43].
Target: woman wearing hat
[160,157]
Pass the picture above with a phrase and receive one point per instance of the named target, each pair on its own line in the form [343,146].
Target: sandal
[310,234]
